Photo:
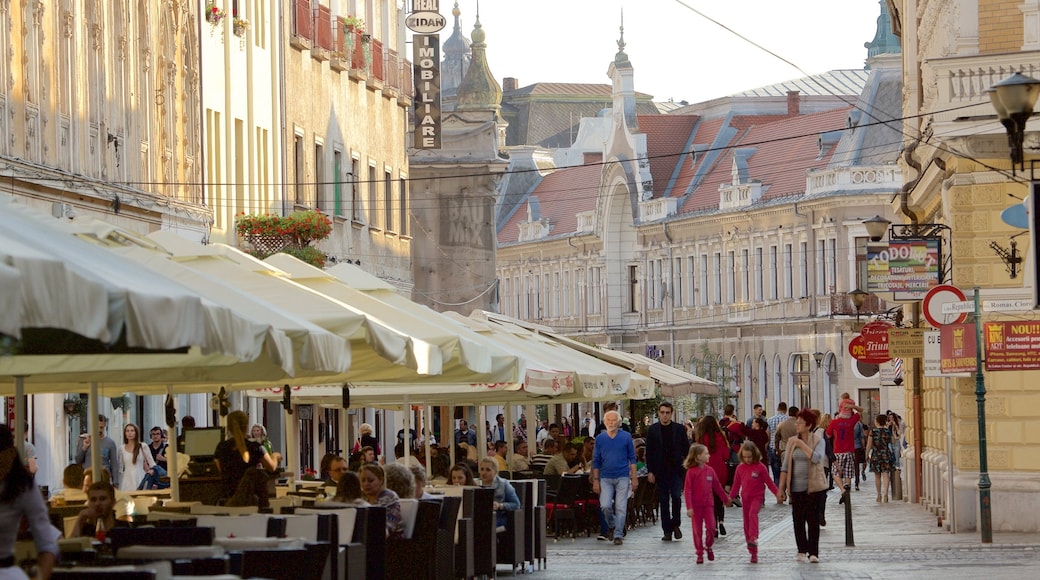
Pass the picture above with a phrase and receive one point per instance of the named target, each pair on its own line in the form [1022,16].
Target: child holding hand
[750,481]
[701,482]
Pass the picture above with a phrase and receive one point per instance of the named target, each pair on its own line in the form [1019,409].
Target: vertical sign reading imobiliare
[425,21]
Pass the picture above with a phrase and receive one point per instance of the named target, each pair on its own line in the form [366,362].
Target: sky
[676,53]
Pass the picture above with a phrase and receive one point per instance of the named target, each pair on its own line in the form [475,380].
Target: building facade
[962,178]
[722,238]
[99,116]
[347,89]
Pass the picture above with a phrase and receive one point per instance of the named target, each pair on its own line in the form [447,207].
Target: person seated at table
[420,483]
[100,515]
[506,499]
[335,469]
[236,455]
[541,458]
[88,477]
[20,500]
[561,462]
[252,490]
[258,433]
[373,488]
[368,456]
[348,490]
[72,482]
[499,456]
[587,451]
[400,480]
[461,474]
[520,462]
[399,457]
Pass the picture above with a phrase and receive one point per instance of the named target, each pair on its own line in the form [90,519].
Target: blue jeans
[613,502]
[669,495]
[150,480]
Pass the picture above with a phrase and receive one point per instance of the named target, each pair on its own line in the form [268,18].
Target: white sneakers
[814,560]
[800,557]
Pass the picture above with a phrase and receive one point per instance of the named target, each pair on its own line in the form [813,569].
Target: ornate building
[723,238]
[960,176]
[99,116]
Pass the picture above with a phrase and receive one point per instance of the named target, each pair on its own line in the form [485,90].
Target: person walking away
[702,488]
[879,451]
[802,477]
[750,483]
[614,473]
[20,498]
[666,448]
[710,435]
[843,430]
[773,452]
[860,437]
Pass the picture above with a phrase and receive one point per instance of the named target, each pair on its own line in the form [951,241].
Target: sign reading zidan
[426,55]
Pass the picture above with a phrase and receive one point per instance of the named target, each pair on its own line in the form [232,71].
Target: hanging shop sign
[871,345]
[426,70]
[908,267]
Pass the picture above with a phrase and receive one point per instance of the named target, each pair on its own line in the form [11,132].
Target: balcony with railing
[300,36]
[962,81]
[841,305]
[322,33]
[339,59]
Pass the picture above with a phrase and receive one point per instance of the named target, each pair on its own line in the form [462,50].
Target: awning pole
[95,443]
[19,415]
[172,459]
[428,427]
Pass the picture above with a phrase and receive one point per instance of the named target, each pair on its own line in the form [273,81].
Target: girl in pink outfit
[752,478]
[701,482]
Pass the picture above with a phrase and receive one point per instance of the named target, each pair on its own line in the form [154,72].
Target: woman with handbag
[710,435]
[802,477]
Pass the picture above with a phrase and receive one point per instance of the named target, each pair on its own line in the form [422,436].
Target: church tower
[456,58]
[453,194]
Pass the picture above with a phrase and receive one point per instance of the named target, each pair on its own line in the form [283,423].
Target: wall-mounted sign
[1012,346]
[426,70]
[907,267]
[906,342]
[957,348]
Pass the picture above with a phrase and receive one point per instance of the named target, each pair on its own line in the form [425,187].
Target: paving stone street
[893,540]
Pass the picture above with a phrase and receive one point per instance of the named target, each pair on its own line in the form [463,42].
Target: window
[651,286]
[633,288]
[788,271]
[567,289]
[388,201]
[543,311]
[705,294]
[731,288]
[691,264]
[320,202]
[716,294]
[594,299]
[745,266]
[861,279]
[298,169]
[373,196]
[804,259]
[759,275]
[774,281]
[677,282]
[555,296]
[355,190]
[402,208]
[831,266]
[337,183]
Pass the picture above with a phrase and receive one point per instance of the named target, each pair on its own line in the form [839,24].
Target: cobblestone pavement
[892,540]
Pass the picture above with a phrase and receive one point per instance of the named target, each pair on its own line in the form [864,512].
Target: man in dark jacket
[666,448]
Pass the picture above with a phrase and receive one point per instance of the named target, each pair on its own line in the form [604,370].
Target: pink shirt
[700,482]
[753,479]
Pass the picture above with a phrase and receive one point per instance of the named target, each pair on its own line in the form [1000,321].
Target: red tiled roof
[561,196]
[783,150]
[667,137]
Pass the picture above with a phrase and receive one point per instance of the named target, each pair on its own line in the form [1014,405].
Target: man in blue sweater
[614,473]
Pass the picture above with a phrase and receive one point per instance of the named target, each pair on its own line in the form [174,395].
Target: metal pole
[918,411]
[850,539]
[985,509]
[949,459]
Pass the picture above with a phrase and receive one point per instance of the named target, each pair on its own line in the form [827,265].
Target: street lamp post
[1013,99]
[859,297]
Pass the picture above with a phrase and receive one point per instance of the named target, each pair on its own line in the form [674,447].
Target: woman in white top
[136,460]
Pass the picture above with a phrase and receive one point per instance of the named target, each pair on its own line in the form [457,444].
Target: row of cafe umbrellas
[104,310]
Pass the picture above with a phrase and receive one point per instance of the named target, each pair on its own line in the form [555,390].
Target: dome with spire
[479,90]
[457,44]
